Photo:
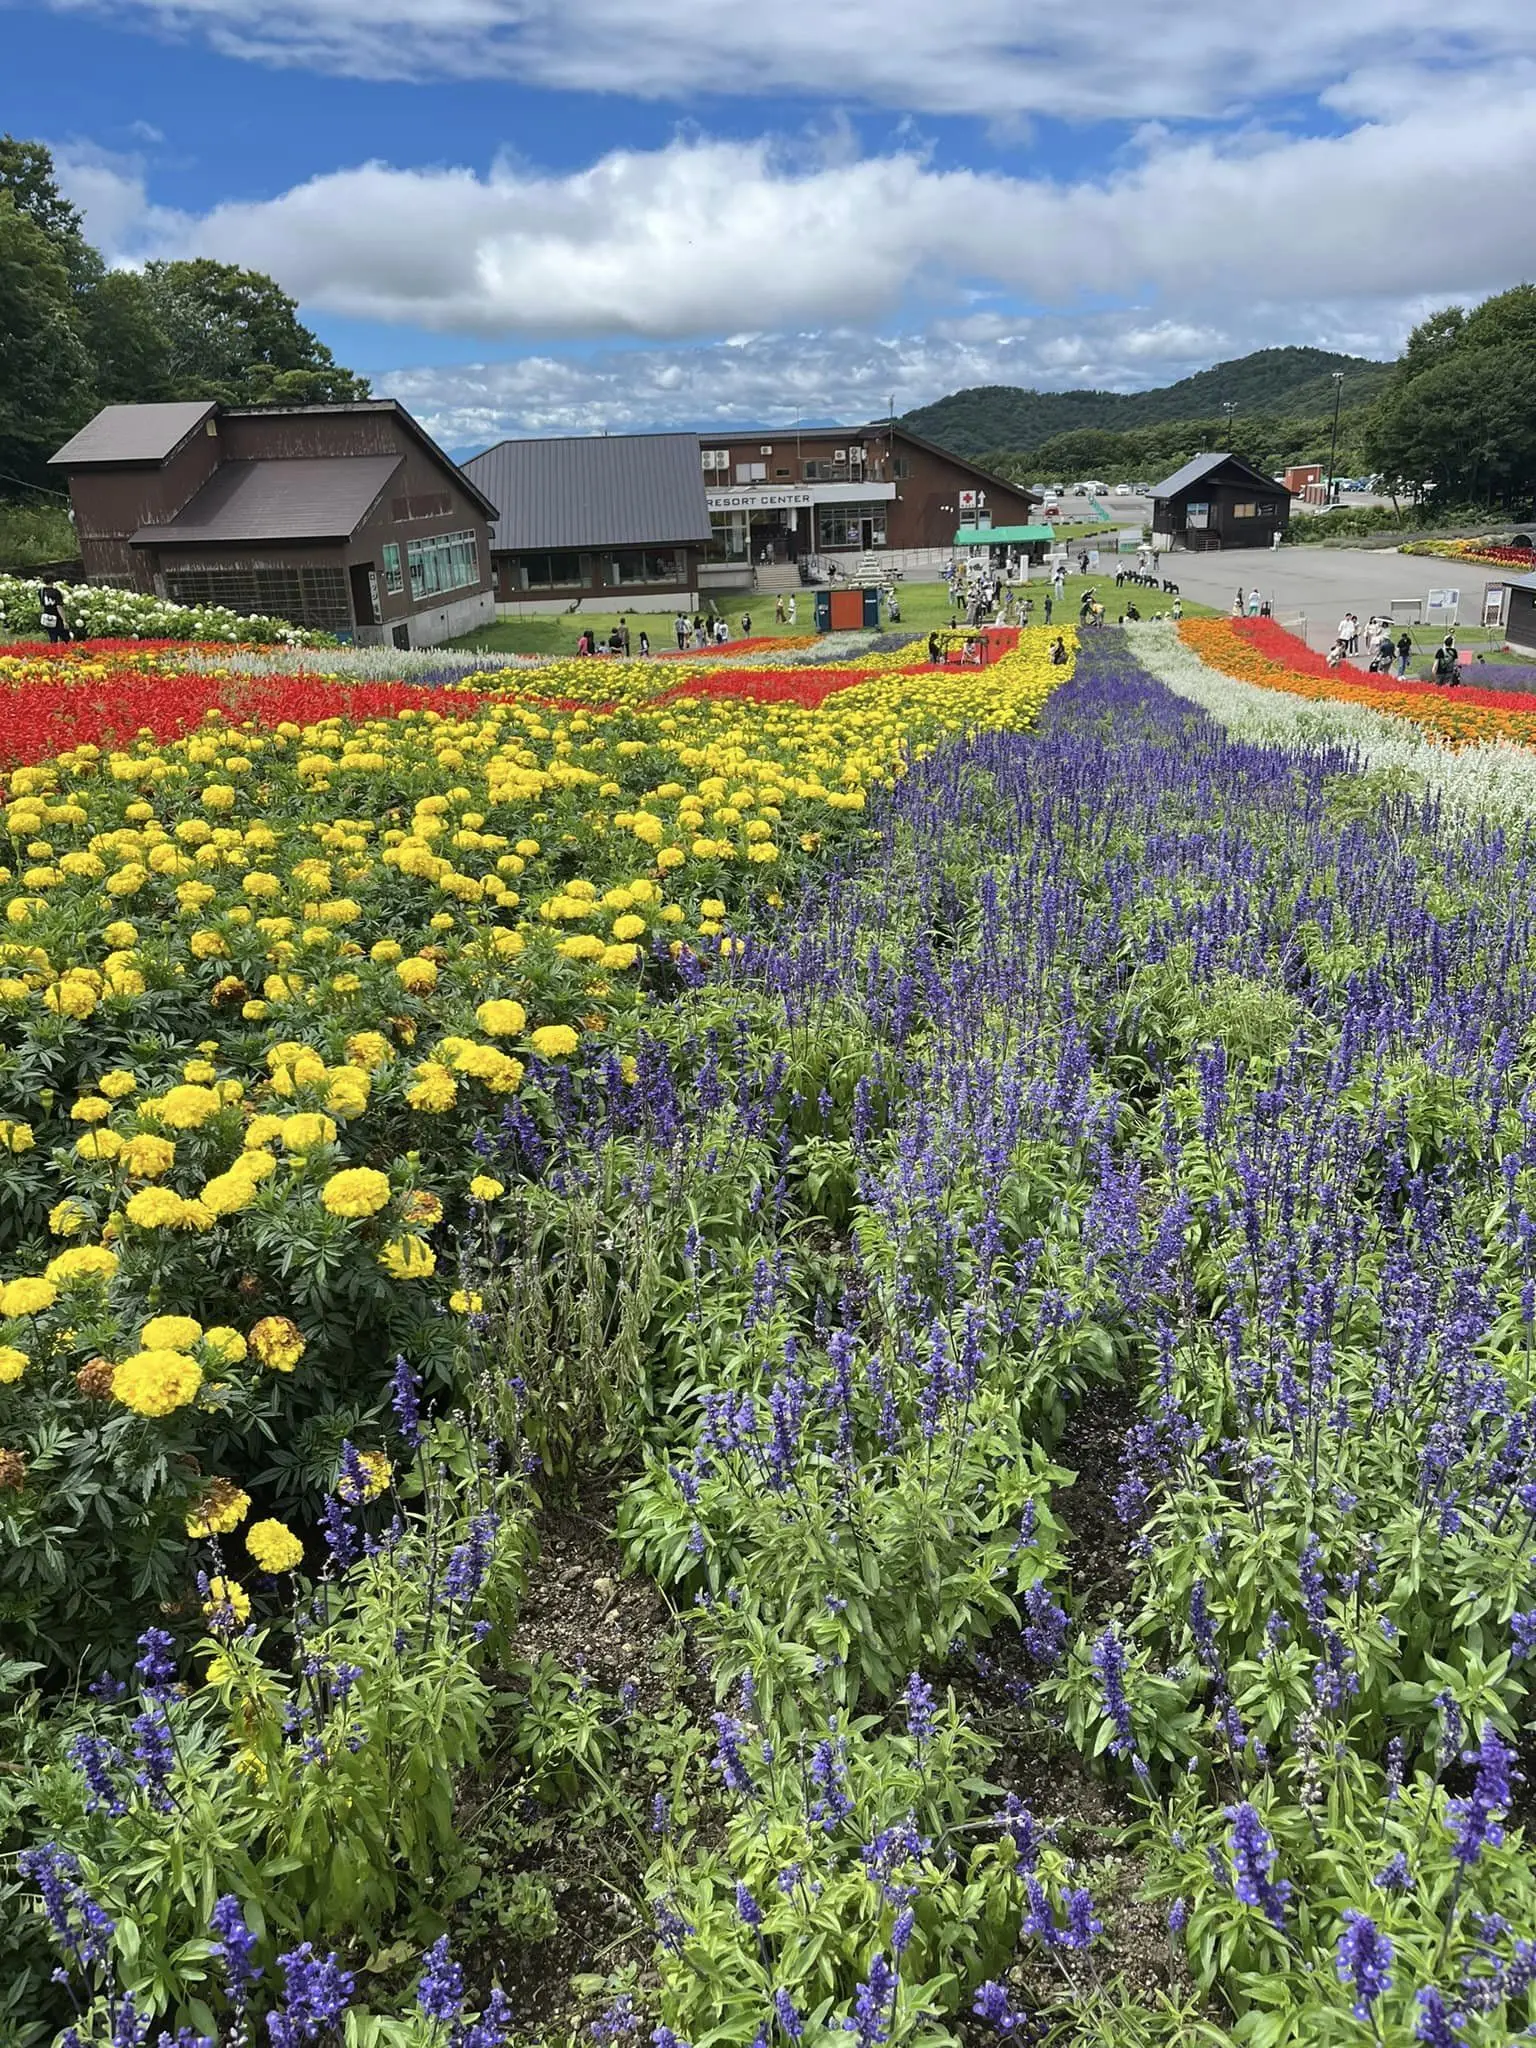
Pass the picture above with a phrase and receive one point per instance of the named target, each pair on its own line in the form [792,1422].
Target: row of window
[850,526]
[844,466]
[571,571]
[1198,513]
[449,561]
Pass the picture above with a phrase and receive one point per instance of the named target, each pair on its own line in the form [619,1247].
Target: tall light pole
[1229,407]
[1333,450]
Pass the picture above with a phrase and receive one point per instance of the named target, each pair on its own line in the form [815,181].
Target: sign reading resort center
[759,499]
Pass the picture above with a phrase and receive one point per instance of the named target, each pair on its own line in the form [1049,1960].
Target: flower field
[1490,553]
[1258,651]
[762,1356]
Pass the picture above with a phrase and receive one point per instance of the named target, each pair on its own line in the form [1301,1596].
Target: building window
[850,526]
[314,597]
[394,580]
[751,472]
[1197,516]
[642,565]
[450,561]
[1247,510]
[554,572]
[900,468]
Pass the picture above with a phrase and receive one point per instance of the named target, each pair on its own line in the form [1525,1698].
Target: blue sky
[569,215]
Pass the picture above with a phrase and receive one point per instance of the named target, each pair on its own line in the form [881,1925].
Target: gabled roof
[612,490]
[305,499]
[1201,466]
[407,420]
[133,433]
[987,476]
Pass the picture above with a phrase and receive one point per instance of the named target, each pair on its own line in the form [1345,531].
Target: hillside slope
[1271,383]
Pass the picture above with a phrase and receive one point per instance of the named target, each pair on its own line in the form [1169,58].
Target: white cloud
[708,237]
[841,375]
[1155,58]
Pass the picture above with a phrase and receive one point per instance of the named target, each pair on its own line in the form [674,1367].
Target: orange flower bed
[1274,660]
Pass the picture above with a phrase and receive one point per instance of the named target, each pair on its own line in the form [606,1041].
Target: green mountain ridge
[1272,383]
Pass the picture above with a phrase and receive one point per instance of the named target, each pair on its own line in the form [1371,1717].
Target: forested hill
[1271,383]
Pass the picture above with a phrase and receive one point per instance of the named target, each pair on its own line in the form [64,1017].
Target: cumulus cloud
[1157,58]
[705,237]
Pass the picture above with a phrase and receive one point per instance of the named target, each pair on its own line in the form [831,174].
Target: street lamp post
[1229,407]
[1333,450]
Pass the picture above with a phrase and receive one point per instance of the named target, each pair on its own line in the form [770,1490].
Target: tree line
[76,335]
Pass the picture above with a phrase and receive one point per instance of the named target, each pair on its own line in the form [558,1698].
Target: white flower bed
[367,664]
[1493,776]
[96,612]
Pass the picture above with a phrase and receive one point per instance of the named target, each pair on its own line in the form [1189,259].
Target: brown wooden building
[346,518]
[783,495]
[1219,501]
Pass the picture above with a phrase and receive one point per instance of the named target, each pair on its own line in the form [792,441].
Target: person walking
[1404,651]
[1343,639]
[624,638]
[1255,599]
[1178,608]
[645,644]
[1049,604]
[791,607]
[778,609]
[1354,632]
[680,633]
[51,615]
[746,625]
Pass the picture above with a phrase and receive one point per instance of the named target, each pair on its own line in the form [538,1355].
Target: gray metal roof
[307,498]
[1200,467]
[614,490]
[134,433]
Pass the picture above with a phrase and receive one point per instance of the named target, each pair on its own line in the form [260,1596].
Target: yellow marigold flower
[82,1262]
[228,1194]
[228,1605]
[416,975]
[306,1130]
[147,1157]
[278,1343]
[375,1475]
[224,1345]
[261,1130]
[219,1510]
[408,1258]
[27,1297]
[670,857]
[71,997]
[91,1109]
[435,1088]
[202,1071]
[356,1191]
[13,1364]
[16,1137]
[157,1382]
[464,1304]
[186,1106]
[274,1546]
[615,959]
[67,1219]
[121,935]
[484,1189]
[385,950]
[501,1019]
[422,1207]
[369,1050]
[554,1041]
[117,1084]
[170,1333]
[155,1209]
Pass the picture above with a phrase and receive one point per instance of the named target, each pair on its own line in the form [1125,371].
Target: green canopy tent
[1029,541]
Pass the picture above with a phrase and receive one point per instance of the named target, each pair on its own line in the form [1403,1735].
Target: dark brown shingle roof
[133,433]
[614,490]
[312,498]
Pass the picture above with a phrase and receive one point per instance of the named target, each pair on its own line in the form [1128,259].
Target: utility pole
[1333,451]
[1229,407]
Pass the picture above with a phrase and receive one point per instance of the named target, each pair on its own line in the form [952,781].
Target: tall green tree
[1459,417]
[234,334]
[45,368]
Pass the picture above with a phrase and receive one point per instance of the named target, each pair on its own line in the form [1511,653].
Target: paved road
[1324,583]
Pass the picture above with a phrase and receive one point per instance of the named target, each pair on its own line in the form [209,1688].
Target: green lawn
[923,606]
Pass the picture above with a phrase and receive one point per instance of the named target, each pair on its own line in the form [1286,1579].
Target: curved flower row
[1493,553]
[1257,651]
